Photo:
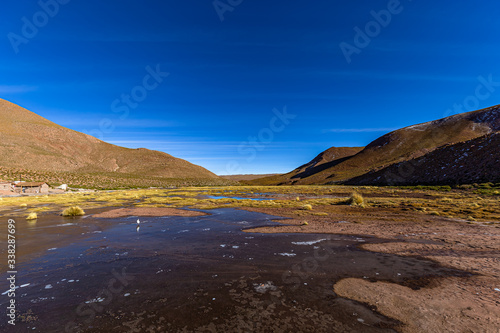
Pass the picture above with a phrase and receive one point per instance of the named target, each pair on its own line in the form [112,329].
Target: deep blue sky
[226,77]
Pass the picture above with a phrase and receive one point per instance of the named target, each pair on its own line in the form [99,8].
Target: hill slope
[473,161]
[31,142]
[400,146]
[323,161]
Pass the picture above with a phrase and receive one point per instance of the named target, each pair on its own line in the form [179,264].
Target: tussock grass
[32,216]
[356,199]
[307,207]
[73,211]
[457,203]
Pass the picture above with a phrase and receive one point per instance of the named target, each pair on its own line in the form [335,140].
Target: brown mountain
[245,177]
[473,161]
[32,143]
[325,160]
[398,146]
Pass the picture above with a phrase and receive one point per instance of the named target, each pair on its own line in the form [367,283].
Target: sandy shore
[451,304]
[147,211]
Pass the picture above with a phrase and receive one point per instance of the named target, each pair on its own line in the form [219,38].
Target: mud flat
[445,304]
[203,273]
[147,211]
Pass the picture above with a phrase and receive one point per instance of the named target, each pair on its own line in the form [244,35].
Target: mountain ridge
[398,146]
[31,142]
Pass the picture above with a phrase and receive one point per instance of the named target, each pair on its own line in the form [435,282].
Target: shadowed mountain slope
[473,161]
[396,147]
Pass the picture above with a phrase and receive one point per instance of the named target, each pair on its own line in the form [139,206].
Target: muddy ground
[444,304]
[393,264]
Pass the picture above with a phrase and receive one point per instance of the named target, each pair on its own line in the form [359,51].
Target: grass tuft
[307,207]
[356,199]
[73,211]
[32,216]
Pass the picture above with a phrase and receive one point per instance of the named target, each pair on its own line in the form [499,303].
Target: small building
[5,185]
[63,187]
[32,187]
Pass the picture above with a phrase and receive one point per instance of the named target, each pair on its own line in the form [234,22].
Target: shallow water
[201,274]
[237,198]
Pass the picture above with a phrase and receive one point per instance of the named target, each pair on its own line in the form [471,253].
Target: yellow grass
[73,211]
[356,199]
[307,207]
[462,204]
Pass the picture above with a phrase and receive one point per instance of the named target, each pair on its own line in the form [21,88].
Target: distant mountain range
[239,178]
[459,149]
[34,147]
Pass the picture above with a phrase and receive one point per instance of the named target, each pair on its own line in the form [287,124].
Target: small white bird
[138,221]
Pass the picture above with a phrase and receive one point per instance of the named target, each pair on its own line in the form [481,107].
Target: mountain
[325,160]
[33,144]
[472,161]
[246,177]
[396,147]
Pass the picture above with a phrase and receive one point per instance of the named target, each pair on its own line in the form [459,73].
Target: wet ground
[196,274]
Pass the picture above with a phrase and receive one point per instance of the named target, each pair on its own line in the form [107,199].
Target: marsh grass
[73,211]
[356,199]
[307,207]
[457,203]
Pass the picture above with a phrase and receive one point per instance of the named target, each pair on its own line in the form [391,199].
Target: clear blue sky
[226,76]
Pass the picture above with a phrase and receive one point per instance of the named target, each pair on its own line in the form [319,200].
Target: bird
[138,221]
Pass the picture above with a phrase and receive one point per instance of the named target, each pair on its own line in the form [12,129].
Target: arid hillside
[395,147]
[325,160]
[473,161]
[246,177]
[31,143]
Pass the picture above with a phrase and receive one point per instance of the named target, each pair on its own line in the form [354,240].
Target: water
[238,198]
[196,273]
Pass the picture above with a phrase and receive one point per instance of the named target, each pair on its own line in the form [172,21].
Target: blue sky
[229,79]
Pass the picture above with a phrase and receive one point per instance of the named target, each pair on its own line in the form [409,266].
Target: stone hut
[5,185]
[32,187]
